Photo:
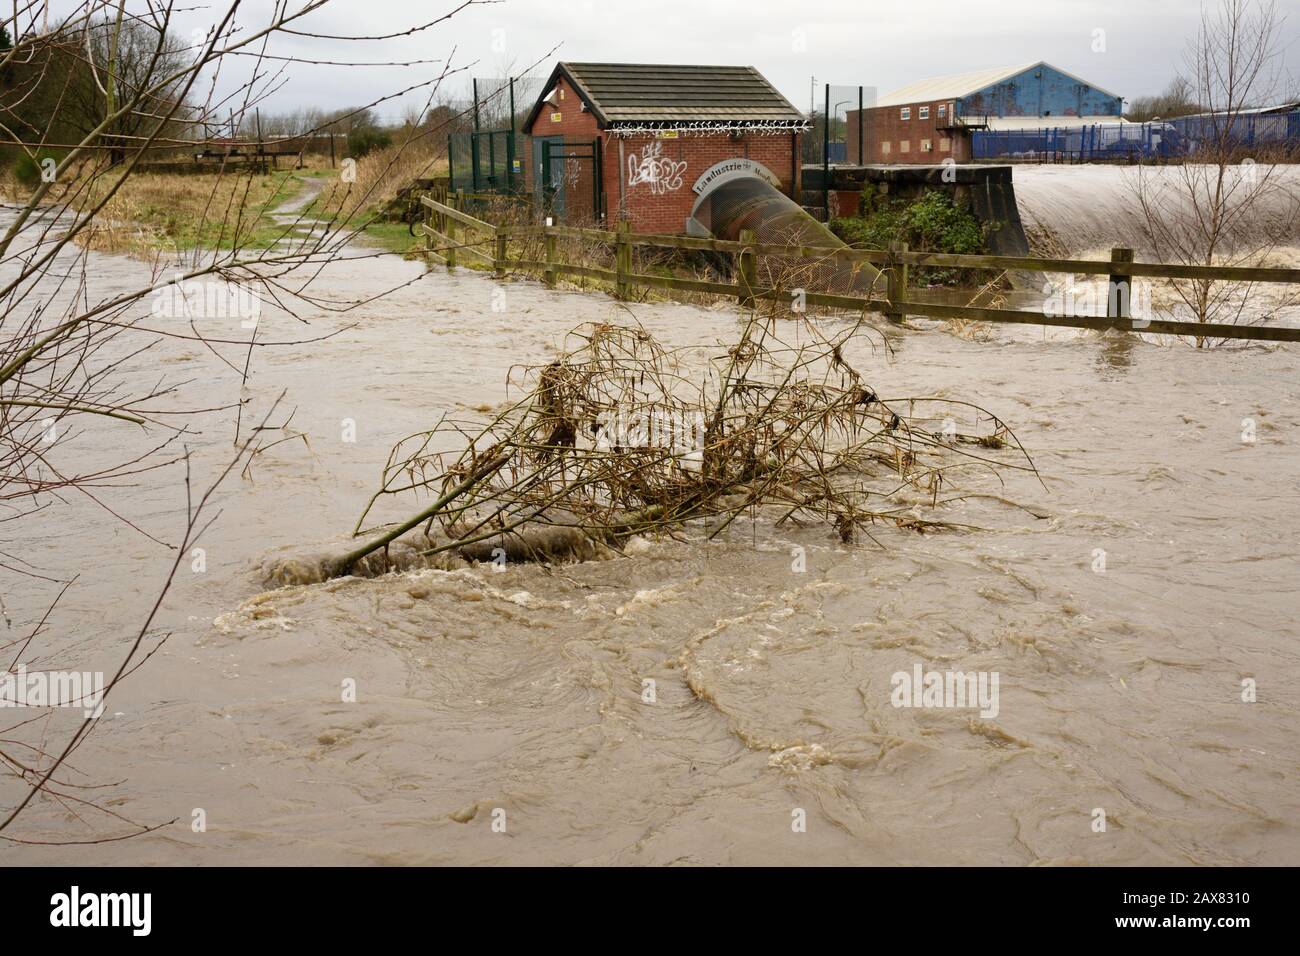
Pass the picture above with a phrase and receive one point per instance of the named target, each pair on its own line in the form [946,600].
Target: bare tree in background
[1177,99]
[1229,203]
[67,341]
[122,58]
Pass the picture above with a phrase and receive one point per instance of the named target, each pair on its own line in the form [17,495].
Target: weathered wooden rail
[456,232]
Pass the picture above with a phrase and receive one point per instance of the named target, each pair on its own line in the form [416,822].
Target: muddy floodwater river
[692,702]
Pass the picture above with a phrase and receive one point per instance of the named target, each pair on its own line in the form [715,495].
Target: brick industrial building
[929,121]
[636,141]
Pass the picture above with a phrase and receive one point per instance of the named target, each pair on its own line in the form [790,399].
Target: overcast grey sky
[880,43]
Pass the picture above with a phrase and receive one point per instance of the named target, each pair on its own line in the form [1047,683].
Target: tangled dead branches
[616,437]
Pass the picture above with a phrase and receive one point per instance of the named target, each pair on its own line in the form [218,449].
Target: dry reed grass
[382,174]
[153,211]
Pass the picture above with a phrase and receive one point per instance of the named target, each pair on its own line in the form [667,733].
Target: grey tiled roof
[643,92]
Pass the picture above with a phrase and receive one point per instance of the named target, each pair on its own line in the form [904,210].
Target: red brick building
[614,141]
[913,132]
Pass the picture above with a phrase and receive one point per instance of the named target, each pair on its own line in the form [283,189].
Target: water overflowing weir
[1083,209]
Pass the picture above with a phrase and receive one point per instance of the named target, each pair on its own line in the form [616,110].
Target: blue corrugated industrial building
[1038,90]
[930,120]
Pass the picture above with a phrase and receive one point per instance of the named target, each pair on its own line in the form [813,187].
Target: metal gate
[569,179]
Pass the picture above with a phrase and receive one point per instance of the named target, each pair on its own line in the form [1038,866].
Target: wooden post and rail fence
[452,235]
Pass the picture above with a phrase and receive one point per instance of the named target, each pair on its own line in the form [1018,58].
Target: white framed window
[925,146]
[904,146]
[905,113]
[923,112]
[943,110]
[884,148]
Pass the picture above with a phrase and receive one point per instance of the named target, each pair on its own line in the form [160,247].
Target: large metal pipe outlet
[738,194]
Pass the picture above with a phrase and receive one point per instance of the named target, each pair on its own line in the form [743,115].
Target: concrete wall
[988,189]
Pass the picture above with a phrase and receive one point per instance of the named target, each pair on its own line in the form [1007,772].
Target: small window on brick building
[884,148]
[904,146]
[925,146]
[923,112]
[905,113]
[945,145]
[943,110]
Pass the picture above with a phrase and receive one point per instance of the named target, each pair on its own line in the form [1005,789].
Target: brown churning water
[694,702]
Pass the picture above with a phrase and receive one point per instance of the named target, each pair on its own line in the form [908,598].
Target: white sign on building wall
[733,169]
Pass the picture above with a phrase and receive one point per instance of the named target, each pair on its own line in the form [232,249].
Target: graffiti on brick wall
[661,174]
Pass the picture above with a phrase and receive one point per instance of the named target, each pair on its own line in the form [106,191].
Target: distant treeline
[60,91]
[1179,99]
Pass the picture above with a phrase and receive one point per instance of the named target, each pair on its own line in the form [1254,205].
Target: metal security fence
[493,158]
[1097,143]
[1180,138]
[1246,130]
[486,162]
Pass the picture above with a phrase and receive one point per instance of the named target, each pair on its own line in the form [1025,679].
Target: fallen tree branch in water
[480,473]
[615,438]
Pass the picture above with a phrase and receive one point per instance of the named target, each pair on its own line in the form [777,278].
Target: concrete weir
[989,189]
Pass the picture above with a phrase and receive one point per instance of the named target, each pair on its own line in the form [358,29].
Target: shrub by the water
[366,140]
[933,222]
[27,168]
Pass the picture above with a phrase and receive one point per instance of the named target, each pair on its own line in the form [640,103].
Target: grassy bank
[370,198]
[392,236]
[154,211]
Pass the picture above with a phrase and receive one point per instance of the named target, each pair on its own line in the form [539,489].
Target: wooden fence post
[551,243]
[747,269]
[451,243]
[431,221]
[499,253]
[896,283]
[623,260]
[1119,289]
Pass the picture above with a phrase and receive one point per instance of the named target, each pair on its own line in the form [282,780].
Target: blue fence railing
[1157,140]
